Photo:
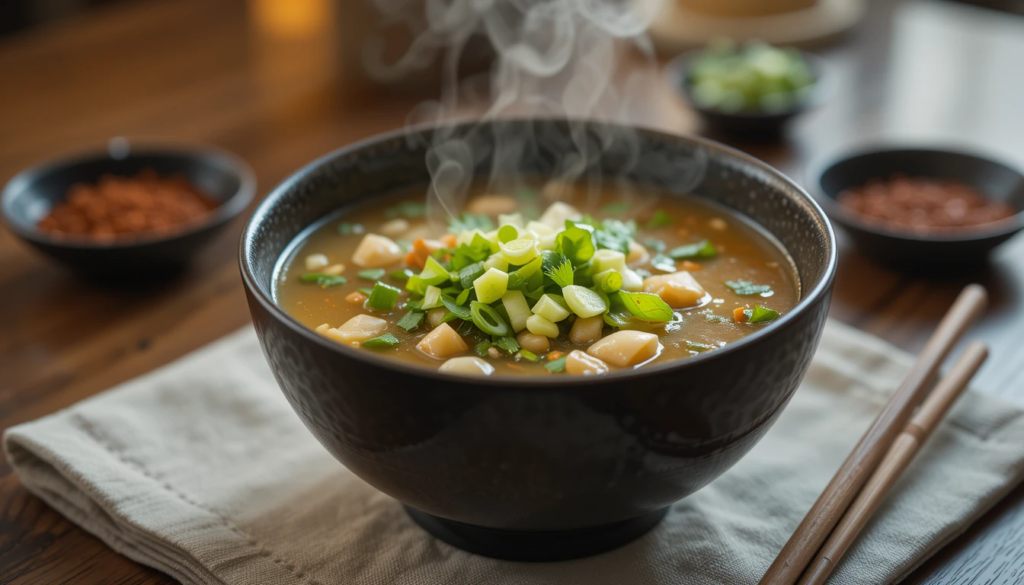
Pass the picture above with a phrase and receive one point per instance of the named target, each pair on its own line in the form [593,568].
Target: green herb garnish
[617,319]
[452,305]
[365,291]
[645,306]
[562,275]
[372,273]
[528,355]
[468,274]
[745,288]
[406,209]
[702,249]
[382,297]
[469,222]
[655,244]
[488,320]
[402,275]
[410,320]
[476,251]
[575,243]
[323,280]
[659,219]
[663,263]
[556,366]
[760,314]
[348,229]
[385,341]
[482,347]
[614,234]
[507,343]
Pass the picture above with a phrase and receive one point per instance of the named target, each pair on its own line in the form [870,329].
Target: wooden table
[193,70]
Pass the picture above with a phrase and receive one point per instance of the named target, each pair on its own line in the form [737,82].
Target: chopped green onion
[405,245]
[584,302]
[702,249]
[323,280]
[575,243]
[745,288]
[528,355]
[463,297]
[655,244]
[433,273]
[372,273]
[698,346]
[517,308]
[348,229]
[760,314]
[608,281]
[562,275]
[488,320]
[507,233]
[410,320]
[617,319]
[659,219]
[614,234]
[465,328]
[461,312]
[519,251]
[530,268]
[491,286]
[401,274]
[432,298]
[470,273]
[482,347]
[556,366]
[382,297]
[550,309]
[416,285]
[385,341]
[540,326]
[663,263]
[646,306]
[507,343]
[476,251]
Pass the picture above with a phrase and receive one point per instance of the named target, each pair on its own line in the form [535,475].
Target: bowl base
[536,546]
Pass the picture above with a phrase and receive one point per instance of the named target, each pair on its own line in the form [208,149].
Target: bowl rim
[676,75]
[228,209]
[538,383]
[817,169]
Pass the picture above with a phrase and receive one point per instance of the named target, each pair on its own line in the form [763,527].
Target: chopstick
[896,460]
[862,461]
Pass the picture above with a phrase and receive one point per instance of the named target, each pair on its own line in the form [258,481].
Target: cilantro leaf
[760,314]
[323,280]
[702,249]
[745,288]
[645,306]
[562,276]
[575,243]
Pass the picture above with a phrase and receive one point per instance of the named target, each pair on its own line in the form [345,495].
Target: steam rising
[560,59]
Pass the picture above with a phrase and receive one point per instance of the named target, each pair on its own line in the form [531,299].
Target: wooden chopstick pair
[882,453]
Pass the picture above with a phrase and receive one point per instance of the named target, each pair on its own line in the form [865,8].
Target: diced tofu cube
[377,252]
[626,348]
[442,342]
[580,363]
[679,289]
[358,329]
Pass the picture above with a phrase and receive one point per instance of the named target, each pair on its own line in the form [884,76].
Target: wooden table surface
[200,71]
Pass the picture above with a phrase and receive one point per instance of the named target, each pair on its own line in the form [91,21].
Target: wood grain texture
[199,71]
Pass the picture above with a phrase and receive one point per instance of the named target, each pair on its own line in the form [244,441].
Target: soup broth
[538,282]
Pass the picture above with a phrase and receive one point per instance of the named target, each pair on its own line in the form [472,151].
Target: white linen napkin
[202,470]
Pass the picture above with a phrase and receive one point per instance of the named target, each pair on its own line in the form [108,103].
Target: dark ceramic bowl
[554,466]
[28,197]
[996,180]
[759,126]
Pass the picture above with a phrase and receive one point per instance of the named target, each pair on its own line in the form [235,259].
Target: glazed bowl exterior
[553,452]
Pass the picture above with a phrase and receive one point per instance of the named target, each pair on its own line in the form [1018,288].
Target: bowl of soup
[543,372]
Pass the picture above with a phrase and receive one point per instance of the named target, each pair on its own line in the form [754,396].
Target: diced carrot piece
[513,366]
[739,315]
[420,247]
[356,298]
[688,266]
[411,259]
[554,355]
[449,240]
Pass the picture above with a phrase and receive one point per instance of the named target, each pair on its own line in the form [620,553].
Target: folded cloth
[202,470]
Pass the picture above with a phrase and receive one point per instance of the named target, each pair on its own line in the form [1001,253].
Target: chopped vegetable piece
[586,330]
[477,250]
[507,233]
[618,319]
[678,290]
[580,363]
[488,320]
[402,275]
[583,301]
[385,341]
[556,214]
[382,297]
[433,273]
[461,312]
[467,365]
[550,309]
[482,347]
[608,281]
[407,209]
[316,261]
[470,273]
[528,355]
[365,291]
[690,266]
[496,261]
[442,342]
[663,263]
[394,227]
[376,251]
[541,326]
[519,251]
[470,222]
[556,366]
[463,297]
[702,249]
[655,244]
[694,346]
[358,329]
[372,274]
[739,314]
[745,288]
[491,285]
[431,298]
[660,219]
[355,298]
[613,260]
[533,342]
[323,280]
[575,243]
[508,344]
[760,314]
[513,219]
[645,306]
[348,229]
[562,275]
[626,348]
[614,234]
[517,308]
[411,320]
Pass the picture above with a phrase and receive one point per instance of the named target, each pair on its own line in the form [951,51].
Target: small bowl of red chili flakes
[129,208]
[920,206]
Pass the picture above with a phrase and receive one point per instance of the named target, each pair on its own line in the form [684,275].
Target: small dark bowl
[548,467]
[996,180]
[28,197]
[758,126]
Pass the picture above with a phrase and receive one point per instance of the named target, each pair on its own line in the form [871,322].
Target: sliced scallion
[702,249]
[488,320]
[385,341]
[411,320]
[383,297]
[323,280]
[372,273]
